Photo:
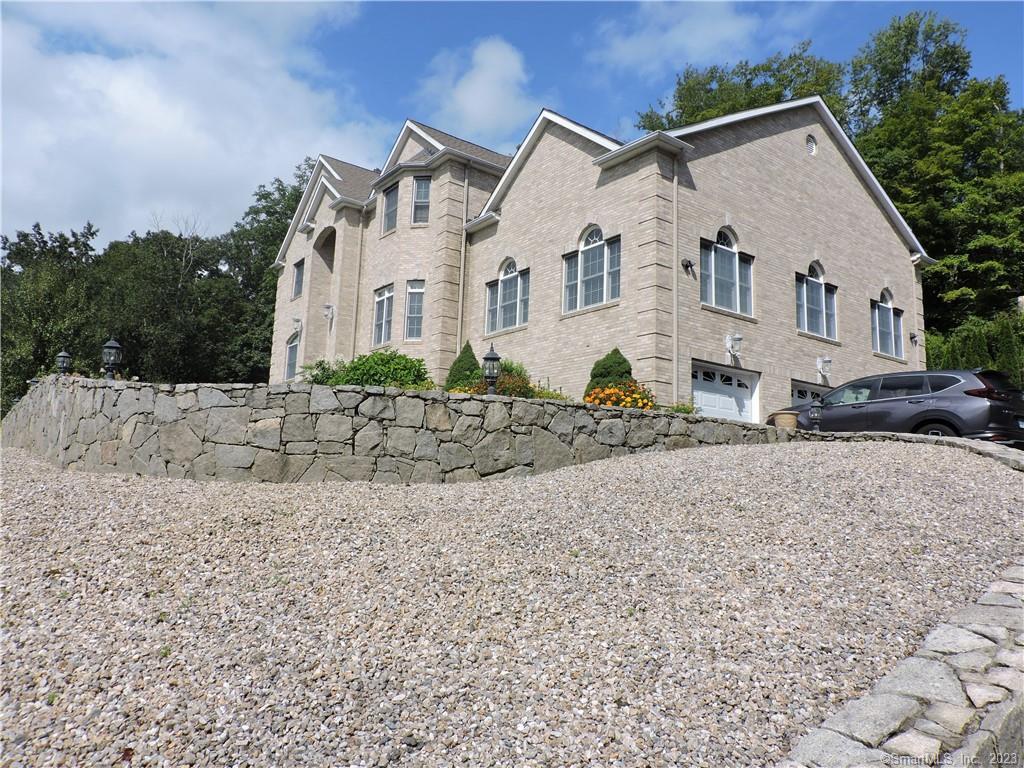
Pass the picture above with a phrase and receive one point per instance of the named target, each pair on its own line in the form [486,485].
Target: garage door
[803,392]
[724,393]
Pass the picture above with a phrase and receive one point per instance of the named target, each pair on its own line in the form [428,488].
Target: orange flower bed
[627,394]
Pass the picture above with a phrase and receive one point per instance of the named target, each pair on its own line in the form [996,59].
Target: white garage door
[723,392]
[803,393]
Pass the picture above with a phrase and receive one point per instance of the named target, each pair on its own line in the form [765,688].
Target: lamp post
[63,362]
[492,367]
[815,413]
[113,354]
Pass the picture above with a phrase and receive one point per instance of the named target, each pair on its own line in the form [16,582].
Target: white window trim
[409,290]
[415,202]
[519,323]
[823,287]
[292,343]
[382,297]
[606,273]
[895,327]
[298,286]
[736,282]
[384,229]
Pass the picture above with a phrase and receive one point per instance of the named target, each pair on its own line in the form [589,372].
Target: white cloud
[119,113]
[658,38]
[482,95]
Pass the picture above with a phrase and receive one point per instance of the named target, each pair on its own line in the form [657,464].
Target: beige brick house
[744,262]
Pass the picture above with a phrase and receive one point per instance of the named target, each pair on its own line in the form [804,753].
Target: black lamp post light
[113,355]
[63,362]
[815,414]
[492,367]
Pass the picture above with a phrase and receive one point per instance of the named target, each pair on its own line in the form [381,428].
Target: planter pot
[784,419]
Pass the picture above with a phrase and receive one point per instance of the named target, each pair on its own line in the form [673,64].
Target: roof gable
[846,147]
[343,183]
[545,118]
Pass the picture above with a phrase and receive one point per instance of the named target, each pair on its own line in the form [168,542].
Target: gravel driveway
[697,608]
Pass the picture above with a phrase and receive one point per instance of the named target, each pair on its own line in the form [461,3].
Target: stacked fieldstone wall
[959,701]
[308,433]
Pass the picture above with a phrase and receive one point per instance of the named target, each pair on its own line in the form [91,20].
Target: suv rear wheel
[936,428]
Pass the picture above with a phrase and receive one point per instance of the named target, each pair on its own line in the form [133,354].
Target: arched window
[886,326]
[508,298]
[291,356]
[815,303]
[726,275]
[592,275]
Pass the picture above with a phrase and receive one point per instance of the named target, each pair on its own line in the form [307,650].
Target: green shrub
[382,368]
[551,394]
[465,370]
[681,407]
[324,372]
[613,368]
[385,368]
[512,368]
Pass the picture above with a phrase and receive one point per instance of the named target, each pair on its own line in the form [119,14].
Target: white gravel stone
[700,608]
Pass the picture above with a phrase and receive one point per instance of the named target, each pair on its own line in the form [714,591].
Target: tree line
[945,145]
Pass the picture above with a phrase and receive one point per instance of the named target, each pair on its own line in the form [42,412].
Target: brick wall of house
[788,208]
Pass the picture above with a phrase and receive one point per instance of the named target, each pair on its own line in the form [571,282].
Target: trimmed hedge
[611,369]
[465,370]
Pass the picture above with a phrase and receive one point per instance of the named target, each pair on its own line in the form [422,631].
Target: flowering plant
[626,394]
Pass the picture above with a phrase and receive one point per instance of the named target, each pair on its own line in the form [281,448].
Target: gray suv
[978,404]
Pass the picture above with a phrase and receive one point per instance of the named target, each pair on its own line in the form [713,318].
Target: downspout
[359,277]
[462,260]
[675,279]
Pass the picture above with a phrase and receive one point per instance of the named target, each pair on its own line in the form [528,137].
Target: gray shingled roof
[355,180]
[466,147]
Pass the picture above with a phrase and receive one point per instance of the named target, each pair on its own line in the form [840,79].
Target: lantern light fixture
[824,365]
[492,367]
[733,344]
[113,356]
[815,414]
[63,362]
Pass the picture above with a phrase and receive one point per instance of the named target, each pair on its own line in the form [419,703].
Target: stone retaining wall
[959,701]
[307,433]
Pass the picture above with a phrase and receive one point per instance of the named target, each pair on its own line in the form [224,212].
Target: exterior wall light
[732,344]
[63,362]
[824,365]
[328,311]
[113,355]
[296,324]
[914,339]
[492,367]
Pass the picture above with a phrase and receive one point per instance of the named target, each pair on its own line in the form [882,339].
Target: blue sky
[153,114]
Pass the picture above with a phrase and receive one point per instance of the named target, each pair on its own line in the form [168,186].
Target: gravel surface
[697,608]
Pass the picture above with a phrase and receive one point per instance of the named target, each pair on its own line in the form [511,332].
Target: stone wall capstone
[298,432]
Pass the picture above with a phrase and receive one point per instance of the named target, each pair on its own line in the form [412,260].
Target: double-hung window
[726,275]
[298,275]
[815,304]
[508,299]
[414,309]
[592,274]
[291,357]
[383,304]
[886,327]
[390,219]
[420,199]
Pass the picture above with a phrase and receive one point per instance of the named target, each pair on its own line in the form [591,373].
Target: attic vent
[812,145]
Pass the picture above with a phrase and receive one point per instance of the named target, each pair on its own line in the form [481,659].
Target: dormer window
[390,219]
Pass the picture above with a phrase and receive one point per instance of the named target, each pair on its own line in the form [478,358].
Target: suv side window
[851,393]
[940,381]
[901,386]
